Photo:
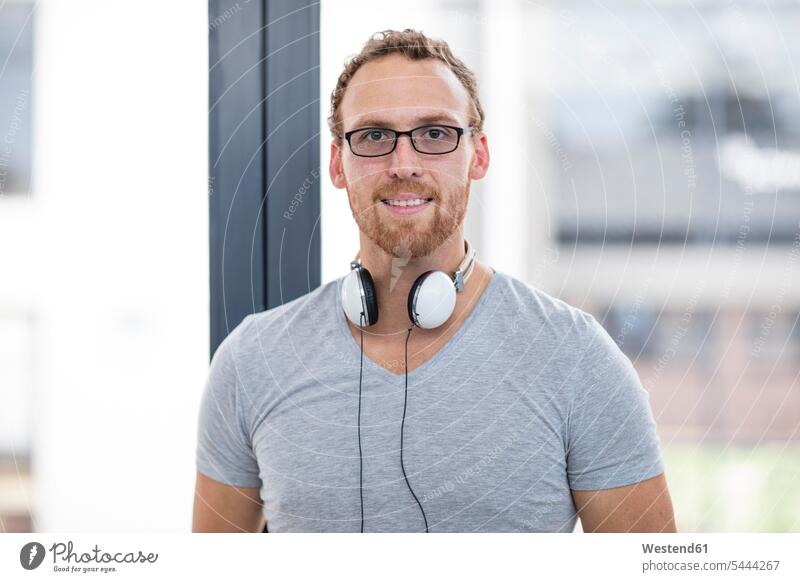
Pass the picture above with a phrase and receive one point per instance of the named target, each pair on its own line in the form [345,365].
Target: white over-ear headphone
[431,299]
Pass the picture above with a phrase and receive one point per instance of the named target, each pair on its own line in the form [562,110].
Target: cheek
[451,173]
[359,176]
[452,183]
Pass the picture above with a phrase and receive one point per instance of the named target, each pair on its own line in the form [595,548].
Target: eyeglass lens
[433,139]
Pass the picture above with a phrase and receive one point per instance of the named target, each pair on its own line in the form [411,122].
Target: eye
[372,135]
[438,133]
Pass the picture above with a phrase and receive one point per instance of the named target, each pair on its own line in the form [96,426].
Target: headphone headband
[462,273]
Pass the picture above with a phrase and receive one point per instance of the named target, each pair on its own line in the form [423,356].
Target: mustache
[405,186]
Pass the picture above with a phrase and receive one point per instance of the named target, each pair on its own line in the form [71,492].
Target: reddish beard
[415,236]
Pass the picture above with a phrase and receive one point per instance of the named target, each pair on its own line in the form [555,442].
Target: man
[519,413]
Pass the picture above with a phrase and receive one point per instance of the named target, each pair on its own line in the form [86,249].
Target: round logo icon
[31,555]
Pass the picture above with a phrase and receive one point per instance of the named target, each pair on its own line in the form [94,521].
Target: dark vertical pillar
[263,156]
[293,166]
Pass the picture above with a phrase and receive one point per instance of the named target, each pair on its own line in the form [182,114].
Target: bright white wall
[119,235]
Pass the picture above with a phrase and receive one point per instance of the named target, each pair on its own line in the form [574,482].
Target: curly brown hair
[416,46]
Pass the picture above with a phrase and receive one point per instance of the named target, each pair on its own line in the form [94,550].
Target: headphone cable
[402,432]
[402,426]
[360,455]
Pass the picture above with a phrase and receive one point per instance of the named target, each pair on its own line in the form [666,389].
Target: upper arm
[611,436]
[225,508]
[641,507]
[227,464]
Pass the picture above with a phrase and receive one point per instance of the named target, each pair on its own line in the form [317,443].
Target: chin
[411,247]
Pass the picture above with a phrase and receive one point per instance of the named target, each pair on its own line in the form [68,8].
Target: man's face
[398,93]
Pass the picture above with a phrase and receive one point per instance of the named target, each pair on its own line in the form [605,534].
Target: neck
[393,278]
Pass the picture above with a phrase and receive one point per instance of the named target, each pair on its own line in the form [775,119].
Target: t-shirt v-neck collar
[431,364]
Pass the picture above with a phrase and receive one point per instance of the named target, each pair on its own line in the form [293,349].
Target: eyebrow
[378,122]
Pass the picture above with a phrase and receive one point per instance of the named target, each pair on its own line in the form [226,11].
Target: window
[16,71]
[675,124]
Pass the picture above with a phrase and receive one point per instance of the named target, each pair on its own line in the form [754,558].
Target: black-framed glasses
[371,142]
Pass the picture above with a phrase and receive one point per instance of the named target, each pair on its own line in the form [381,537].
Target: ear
[335,169]
[480,158]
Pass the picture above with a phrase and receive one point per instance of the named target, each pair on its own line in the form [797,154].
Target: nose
[404,162]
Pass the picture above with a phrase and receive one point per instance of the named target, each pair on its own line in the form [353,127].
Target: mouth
[407,206]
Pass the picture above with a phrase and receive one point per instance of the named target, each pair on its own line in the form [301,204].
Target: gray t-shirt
[528,399]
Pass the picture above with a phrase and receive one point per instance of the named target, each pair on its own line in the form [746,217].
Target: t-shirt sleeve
[611,435]
[224,448]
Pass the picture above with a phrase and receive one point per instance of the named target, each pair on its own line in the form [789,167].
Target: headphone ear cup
[358,296]
[370,297]
[431,300]
[412,297]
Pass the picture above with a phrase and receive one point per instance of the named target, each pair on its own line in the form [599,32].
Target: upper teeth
[414,202]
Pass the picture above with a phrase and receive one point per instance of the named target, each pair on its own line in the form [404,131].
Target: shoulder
[267,350]
[581,346]
[265,330]
[533,307]
[571,340]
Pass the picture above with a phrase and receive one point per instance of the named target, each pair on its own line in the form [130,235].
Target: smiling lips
[412,202]
[406,203]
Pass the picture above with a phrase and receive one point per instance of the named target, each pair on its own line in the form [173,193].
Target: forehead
[400,92]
